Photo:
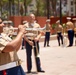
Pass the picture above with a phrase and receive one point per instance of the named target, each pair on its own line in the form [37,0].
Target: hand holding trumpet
[21,29]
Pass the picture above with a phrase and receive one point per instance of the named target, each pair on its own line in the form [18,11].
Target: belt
[47,30]
[31,38]
[10,65]
[58,31]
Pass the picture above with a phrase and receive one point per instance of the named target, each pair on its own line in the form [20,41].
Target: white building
[71,7]
[32,7]
[68,7]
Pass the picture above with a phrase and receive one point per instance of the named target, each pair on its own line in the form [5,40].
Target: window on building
[58,3]
[71,2]
[71,14]
[71,9]
[31,5]
[31,10]
[65,12]
[64,5]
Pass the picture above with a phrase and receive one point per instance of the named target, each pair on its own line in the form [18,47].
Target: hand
[22,29]
[31,43]
[36,39]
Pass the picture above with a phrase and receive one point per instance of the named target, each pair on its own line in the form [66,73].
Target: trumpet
[30,29]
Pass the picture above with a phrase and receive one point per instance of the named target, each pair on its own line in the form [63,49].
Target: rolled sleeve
[3,43]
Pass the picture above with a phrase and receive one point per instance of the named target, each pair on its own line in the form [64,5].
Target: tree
[53,4]
[26,3]
[2,3]
[41,6]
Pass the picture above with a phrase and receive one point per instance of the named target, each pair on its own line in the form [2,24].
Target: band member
[68,19]
[8,28]
[59,30]
[10,64]
[5,28]
[11,30]
[70,30]
[10,24]
[32,40]
[47,32]
[74,19]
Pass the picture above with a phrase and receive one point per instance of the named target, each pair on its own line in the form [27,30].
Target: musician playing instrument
[8,28]
[70,31]
[32,40]
[10,63]
[59,31]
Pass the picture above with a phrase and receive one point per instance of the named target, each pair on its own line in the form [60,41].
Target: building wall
[32,7]
[71,7]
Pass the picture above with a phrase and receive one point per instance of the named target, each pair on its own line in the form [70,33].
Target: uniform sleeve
[3,43]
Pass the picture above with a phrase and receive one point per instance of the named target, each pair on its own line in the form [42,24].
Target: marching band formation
[30,32]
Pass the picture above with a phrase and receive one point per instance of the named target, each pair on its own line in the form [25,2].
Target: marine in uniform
[5,28]
[47,33]
[32,40]
[11,30]
[70,31]
[10,64]
[59,30]
[74,19]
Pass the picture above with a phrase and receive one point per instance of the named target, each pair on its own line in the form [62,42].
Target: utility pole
[60,12]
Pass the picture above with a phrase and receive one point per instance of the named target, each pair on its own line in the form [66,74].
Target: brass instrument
[31,32]
[31,29]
